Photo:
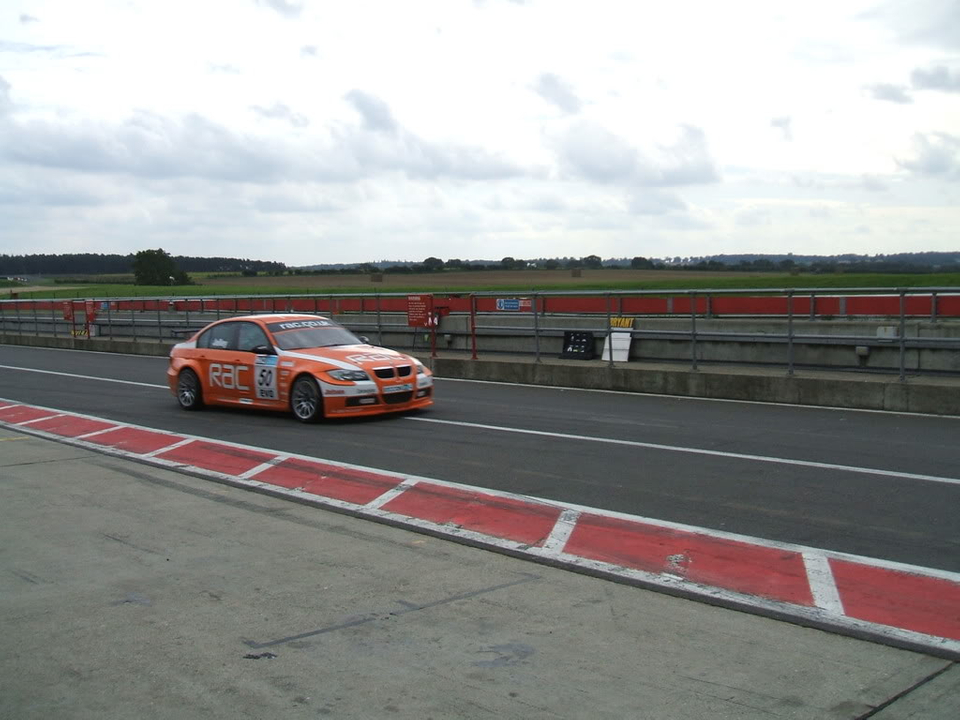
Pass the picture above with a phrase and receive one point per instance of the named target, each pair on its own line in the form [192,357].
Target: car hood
[351,357]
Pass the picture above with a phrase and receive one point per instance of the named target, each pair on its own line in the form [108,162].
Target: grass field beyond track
[506,281]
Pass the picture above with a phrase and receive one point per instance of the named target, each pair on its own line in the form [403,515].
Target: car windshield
[297,334]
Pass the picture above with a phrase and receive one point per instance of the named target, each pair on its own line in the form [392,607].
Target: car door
[257,352]
[226,375]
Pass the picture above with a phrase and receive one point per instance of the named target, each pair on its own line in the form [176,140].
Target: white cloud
[890,93]
[279,111]
[287,8]
[783,123]
[555,90]
[592,152]
[936,78]
[935,154]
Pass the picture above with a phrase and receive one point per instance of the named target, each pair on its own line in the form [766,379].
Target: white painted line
[83,377]
[696,451]
[97,432]
[389,495]
[164,358]
[168,448]
[263,466]
[823,587]
[694,398]
[561,532]
[46,417]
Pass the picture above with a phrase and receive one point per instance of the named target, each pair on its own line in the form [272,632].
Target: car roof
[276,317]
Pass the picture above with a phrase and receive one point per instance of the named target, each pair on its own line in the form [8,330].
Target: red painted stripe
[217,457]
[71,425]
[330,481]
[899,599]
[135,440]
[738,566]
[23,413]
[506,518]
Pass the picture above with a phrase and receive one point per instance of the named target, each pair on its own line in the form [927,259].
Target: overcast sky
[319,131]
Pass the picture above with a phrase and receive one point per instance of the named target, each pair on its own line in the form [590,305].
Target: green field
[492,281]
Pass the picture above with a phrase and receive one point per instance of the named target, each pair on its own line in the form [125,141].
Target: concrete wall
[876,392]
[865,392]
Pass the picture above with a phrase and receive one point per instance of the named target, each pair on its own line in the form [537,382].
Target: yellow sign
[621,322]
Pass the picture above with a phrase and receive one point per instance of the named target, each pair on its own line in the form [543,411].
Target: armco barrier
[911,331]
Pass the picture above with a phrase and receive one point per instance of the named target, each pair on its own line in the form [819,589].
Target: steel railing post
[903,339]
[536,325]
[693,328]
[609,332]
[379,324]
[473,326]
[790,333]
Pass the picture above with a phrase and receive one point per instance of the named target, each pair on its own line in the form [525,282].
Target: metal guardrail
[174,317]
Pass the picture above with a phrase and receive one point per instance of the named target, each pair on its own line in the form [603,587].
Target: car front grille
[384,373]
[404,370]
[397,398]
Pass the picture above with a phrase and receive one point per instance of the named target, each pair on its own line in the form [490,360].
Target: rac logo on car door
[227,376]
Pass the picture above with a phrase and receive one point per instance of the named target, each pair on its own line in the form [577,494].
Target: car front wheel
[305,400]
[189,394]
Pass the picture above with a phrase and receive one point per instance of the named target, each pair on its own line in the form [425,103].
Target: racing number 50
[266,383]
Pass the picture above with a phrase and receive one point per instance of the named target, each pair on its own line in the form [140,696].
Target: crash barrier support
[817,327]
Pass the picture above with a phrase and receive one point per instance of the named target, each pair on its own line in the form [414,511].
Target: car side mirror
[263,350]
[364,339]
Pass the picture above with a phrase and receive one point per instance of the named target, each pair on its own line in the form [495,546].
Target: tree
[508,263]
[641,263]
[155,267]
[592,261]
[432,264]
[551,264]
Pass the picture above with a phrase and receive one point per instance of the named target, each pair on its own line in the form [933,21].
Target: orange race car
[305,363]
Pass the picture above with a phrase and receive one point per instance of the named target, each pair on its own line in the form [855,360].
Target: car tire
[306,402]
[189,392]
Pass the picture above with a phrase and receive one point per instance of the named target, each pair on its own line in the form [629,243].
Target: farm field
[493,280]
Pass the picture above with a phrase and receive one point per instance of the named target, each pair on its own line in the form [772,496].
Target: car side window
[249,336]
[219,337]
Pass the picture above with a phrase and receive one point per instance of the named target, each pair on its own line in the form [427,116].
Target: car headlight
[352,375]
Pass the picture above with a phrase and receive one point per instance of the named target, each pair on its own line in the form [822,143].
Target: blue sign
[508,303]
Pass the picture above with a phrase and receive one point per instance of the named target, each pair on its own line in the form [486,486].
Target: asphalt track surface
[881,485]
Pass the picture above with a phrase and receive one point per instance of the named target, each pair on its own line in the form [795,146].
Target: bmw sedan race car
[305,363]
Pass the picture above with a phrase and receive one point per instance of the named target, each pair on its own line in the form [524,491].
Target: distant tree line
[99,264]
[159,266]
[899,263]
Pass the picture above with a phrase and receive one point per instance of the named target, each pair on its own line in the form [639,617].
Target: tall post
[379,324]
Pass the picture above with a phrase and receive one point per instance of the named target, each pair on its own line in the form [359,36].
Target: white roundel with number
[266,377]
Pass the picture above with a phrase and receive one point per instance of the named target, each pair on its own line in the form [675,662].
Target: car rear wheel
[305,400]
[189,394]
